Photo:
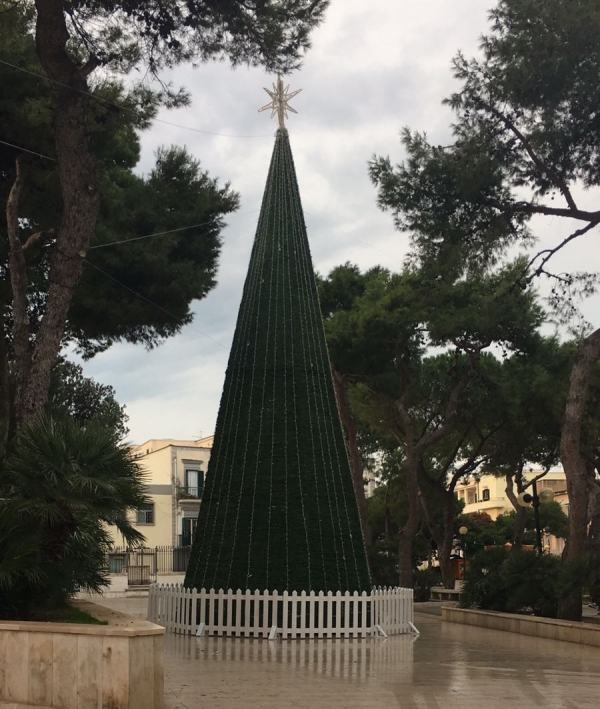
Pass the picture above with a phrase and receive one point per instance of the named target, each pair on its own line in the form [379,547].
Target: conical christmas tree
[279,510]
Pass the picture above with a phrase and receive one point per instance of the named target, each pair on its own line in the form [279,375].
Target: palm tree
[61,485]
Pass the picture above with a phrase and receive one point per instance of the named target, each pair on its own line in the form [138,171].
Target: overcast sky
[374,67]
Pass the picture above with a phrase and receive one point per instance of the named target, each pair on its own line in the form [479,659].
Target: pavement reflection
[447,667]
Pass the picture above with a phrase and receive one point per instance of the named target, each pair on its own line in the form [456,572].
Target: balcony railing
[185,492]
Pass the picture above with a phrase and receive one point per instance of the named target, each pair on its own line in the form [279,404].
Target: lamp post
[463,531]
[533,500]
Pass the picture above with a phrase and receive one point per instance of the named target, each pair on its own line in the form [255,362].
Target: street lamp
[534,500]
[463,531]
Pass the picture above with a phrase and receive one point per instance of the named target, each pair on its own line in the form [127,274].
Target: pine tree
[279,509]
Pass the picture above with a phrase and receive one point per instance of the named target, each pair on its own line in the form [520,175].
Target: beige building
[487,493]
[175,473]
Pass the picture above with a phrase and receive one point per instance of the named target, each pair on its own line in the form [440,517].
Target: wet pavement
[449,666]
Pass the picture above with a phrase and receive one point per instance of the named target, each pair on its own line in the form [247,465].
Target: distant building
[487,493]
[175,472]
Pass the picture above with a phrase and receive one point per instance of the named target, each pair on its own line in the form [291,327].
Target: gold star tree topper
[280,104]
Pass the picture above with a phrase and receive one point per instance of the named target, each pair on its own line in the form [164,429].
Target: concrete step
[136,588]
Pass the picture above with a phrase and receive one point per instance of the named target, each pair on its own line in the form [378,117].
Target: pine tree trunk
[80,198]
[593,543]
[574,466]
[521,512]
[445,550]
[4,385]
[18,281]
[356,460]
[443,538]
[520,520]
[409,531]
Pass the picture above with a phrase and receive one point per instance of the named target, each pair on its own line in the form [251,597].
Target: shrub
[513,582]
[61,484]
[424,580]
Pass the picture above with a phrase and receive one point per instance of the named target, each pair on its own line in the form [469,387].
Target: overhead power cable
[162,233]
[147,236]
[123,108]
[26,150]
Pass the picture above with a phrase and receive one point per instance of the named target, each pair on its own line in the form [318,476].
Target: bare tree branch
[549,253]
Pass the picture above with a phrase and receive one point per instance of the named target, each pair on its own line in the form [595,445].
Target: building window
[188,530]
[145,515]
[486,495]
[194,482]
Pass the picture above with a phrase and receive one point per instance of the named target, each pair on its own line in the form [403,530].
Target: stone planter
[72,666]
[582,633]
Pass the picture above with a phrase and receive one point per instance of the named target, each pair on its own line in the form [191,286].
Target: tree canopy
[142,290]
[79,398]
[86,126]
[415,352]
[525,143]
[131,289]
[270,33]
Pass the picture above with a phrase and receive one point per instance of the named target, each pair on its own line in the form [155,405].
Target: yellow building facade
[487,493]
[175,472]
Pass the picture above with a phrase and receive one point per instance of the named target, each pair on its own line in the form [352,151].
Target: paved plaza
[448,667]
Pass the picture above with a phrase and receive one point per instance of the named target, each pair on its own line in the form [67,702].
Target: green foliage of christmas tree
[279,510]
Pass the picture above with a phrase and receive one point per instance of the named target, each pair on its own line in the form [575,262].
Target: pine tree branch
[537,161]
[579,214]
[549,253]
[38,237]
[444,472]
[450,414]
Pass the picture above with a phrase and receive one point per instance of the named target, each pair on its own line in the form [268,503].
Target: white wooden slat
[230,599]
[220,612]
[194,612]
[302,609]
[274,615]
[201,605]
[170,602]
[175,613]
[293,616]
[242,620]
[284,615]
[336,625]
[320,614]
[354,615]
[328,622]
[210,623]
[256,610]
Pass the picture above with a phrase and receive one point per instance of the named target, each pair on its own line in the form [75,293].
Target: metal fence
[143,565]
[385,611]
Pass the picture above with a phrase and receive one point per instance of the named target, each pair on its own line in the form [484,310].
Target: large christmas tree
[279,510]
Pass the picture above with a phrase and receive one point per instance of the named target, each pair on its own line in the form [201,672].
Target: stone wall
[72,666]
[583,633]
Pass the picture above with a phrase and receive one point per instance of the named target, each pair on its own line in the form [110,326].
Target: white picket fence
[385,611]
